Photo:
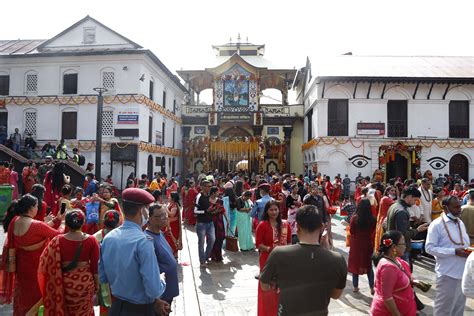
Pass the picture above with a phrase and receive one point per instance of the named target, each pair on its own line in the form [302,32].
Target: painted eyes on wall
[359,161]
[437,163]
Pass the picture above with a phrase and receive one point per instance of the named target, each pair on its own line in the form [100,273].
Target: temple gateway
[237,131]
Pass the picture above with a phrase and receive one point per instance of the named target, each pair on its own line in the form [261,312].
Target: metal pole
[98,136]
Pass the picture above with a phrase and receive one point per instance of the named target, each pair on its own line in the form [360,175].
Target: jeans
[204,230]
[370,276]
[16,147]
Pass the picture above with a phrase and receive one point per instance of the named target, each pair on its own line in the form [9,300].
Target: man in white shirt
[426,200]
[447,240]
[468,277]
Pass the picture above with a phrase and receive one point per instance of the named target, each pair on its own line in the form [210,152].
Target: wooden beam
[355,89]
[429,93]
[324,87]
[446,91]
[383,90]
[416,89]
[370,88]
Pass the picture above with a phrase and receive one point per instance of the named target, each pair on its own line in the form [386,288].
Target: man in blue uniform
[128,262]
[166,261]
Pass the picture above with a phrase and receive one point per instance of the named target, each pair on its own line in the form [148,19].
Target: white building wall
[426,118]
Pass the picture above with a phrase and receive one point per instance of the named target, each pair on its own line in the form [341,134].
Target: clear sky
[181,32]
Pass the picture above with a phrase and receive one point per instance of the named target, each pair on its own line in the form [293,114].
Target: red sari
[68,292]
[191,203]
[385,204]
[362,247]
[28,176]
[174,223]
[268,236]
[22,285]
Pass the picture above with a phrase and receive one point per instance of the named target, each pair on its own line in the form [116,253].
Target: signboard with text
[375,129]
[127,117]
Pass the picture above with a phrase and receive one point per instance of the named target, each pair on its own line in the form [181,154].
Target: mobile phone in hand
[63,208]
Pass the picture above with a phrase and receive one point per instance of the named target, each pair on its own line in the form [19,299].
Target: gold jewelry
[395,252]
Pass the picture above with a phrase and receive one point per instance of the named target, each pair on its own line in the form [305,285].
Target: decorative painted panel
[236,91]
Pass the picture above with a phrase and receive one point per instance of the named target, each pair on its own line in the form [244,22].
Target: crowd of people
[70,248]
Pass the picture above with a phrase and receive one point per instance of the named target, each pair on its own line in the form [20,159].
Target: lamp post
[98,136]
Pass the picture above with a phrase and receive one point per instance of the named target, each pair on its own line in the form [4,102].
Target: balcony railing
[458,131]
[397,128]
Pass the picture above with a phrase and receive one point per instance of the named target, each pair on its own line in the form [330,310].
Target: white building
[398,114]
[46,88]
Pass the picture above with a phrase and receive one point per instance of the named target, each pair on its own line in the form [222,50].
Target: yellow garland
[341,141]
[92,99]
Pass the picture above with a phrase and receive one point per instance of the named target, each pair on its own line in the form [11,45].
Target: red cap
[138,196]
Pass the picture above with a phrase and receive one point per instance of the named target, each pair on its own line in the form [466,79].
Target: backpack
[82,160]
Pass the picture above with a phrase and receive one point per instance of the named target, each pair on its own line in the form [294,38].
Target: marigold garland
[91,99]
[413,143]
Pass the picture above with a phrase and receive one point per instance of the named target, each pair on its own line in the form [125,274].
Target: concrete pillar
[287,130]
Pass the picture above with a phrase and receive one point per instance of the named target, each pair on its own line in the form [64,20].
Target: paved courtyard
[230,288]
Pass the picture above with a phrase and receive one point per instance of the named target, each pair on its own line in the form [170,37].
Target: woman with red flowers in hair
[70,290]
[394,294]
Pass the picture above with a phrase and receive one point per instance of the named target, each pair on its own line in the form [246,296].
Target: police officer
[128,262]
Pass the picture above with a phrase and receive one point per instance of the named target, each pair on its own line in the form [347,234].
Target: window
[150,129]
[164,99]
[70,84]
[89,35]
[174,106]
[108,80]
[459,119]
[108,123]
[151,90]
[32,82]
[397,117]
[4,85]
[310,125]
[174,132]
[163,128]
[30,123]
[338,117]
[69,125]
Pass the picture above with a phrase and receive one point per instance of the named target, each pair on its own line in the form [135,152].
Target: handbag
[231,243]
[11,260]
[92,212]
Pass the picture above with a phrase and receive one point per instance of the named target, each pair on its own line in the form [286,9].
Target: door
[3,127]
[149,169]
[458,164]
[397,167]
[69,125]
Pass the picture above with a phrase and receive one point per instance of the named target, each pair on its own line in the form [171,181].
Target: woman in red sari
[272,231]
[172,187]
[191,202]
[70,290]
[393,280]
[362,229]
[173,231]
[28,175]
[218,214]
[53,183]
[390,195]
[27,238]
[38,192]
[107,202]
